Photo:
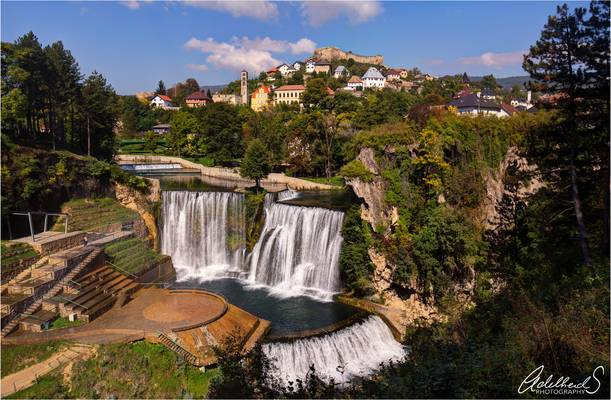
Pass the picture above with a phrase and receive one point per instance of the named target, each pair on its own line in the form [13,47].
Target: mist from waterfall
[203,232]
[357,350]
[298,251]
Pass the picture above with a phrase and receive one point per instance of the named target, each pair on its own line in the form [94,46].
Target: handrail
[122,270]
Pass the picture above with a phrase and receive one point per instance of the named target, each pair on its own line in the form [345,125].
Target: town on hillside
[333,224]
[287,83]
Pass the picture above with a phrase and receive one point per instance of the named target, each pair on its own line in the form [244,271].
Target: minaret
[244,86]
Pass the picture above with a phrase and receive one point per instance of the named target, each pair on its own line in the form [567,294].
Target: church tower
[244,86]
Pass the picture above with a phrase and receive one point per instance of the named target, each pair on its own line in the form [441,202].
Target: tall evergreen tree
[160,88]
[565,65]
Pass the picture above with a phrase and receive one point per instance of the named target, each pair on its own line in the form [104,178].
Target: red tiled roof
[393,72]
[355,79]
[509,109]
[272,70]
[266,89]
[164,97]
[330,91]
[199,95]
[290,87]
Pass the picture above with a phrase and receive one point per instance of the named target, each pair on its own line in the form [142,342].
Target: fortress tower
[244,86]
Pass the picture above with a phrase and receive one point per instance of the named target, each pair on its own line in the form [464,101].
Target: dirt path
[27,376]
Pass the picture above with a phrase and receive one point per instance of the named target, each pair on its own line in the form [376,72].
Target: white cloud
[301,46]
[263,10]
[131,4]
[254,55]
[198,67]
[495,60]
[318,13]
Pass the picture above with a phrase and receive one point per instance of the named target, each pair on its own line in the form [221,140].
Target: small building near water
[161,129]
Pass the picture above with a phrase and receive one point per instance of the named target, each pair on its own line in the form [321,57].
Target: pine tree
[161,88]
[565,65]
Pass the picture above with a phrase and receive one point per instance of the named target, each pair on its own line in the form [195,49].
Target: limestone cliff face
[405,309]
[516,178]
[333,53]
[409,306]
[374,209]
[140,203]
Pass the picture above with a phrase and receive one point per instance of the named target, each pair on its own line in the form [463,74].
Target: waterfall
[288,194]
[298,251]
[203,232]
[358,350]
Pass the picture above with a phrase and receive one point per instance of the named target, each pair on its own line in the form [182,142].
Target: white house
[284,69]
[488,94]
[309,67]
[341,72]
[393,75]
[524,103]
[472,104]
[373,79]
[297,65]
[355,83]
[162,101]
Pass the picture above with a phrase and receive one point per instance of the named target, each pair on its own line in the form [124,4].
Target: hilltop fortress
[333,53]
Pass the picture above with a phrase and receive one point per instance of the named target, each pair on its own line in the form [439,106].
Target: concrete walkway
[28,376]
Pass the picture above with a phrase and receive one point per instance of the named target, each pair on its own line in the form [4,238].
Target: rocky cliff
[142,204]
[333,53]
[411,305]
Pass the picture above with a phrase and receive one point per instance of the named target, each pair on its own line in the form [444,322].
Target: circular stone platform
[185,308]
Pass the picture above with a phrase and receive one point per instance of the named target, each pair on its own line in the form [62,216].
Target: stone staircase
[178,349]
[54,291]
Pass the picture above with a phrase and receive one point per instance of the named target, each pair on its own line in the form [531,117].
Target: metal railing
[31,223]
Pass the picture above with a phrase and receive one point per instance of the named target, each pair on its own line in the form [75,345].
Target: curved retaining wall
[325,330]
[206,293]
[224,173]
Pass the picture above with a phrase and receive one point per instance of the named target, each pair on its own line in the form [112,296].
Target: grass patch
[15,358]
[92,214]
[205,161]
[333,181]
[63,322]
[47,387]
[13,252]
[132,255]
[139,370]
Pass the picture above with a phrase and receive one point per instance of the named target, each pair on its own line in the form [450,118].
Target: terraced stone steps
[54,291]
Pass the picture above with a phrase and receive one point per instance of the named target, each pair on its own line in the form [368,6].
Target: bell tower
[244,86]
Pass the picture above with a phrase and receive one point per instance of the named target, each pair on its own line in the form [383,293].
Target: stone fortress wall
[331,53]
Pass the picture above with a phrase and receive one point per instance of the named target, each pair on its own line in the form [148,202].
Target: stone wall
[333,53]
[225,173]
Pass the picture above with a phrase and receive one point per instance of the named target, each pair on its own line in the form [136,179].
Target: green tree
[222,132]
[185,132]
[563,63]
[255,164]
[150,141]
[160,88]
[315,92]
[100,110]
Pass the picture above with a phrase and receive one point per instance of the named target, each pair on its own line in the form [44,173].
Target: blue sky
[135,44]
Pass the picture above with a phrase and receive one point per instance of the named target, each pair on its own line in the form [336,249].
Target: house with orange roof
[260,98]
[162,101]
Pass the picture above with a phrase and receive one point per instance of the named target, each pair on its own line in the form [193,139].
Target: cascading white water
[288,194]
[203,232]
[298,251]
[358,350]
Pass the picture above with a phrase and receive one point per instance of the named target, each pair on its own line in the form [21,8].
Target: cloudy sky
[137,43]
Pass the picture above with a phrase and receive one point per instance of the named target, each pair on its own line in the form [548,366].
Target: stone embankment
[224,173]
